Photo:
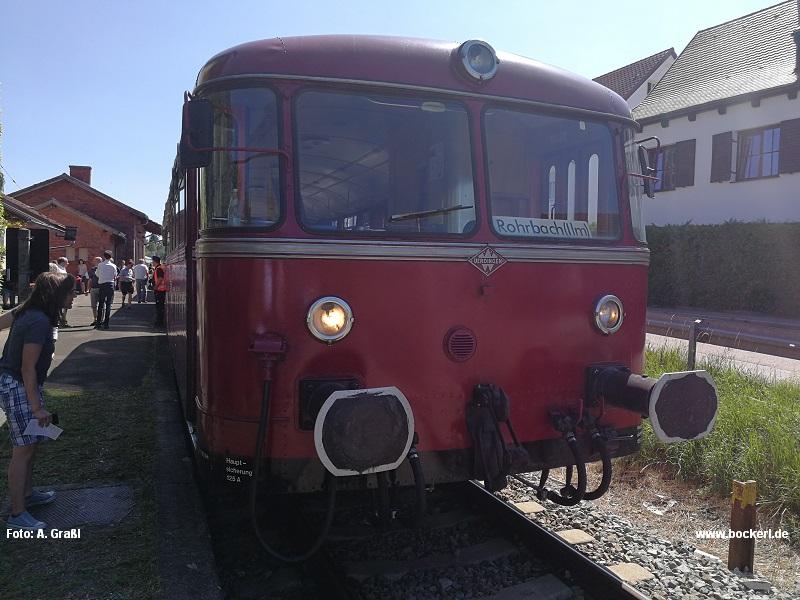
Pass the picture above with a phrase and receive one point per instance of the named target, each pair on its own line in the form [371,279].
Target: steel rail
[600,581]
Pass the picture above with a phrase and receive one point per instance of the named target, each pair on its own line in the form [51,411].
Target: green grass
[109,437]
[756,436]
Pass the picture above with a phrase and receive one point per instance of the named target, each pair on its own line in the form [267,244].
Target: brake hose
[330,482]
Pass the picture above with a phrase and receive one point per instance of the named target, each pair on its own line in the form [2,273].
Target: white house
[634,81]
[728,118]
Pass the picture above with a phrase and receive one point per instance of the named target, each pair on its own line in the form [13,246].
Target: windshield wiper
[427,213]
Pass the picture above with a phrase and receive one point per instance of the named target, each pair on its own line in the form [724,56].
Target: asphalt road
[82,352]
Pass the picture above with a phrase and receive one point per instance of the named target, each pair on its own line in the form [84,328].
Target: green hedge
[732,266]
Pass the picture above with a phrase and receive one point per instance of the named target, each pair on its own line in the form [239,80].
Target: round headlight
[478,59]
[608,314]
[329,319]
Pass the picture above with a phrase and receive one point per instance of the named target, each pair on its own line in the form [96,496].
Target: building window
[758,153]
[674,165]
[83,253]
[70,254]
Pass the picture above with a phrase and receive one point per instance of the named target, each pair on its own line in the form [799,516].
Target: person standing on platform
[160,290]
[61,267]
[106,274]
[126,282]
[93,287]
[82,275]
[141,275]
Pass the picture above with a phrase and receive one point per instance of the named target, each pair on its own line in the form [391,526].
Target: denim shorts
[14,402]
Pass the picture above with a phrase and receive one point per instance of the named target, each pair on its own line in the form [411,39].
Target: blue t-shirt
[31,327]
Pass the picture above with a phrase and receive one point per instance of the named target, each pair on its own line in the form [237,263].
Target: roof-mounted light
[478,59]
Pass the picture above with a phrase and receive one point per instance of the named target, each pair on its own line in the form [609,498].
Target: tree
[154,245]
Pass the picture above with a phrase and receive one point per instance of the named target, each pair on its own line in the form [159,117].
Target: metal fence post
[692,358]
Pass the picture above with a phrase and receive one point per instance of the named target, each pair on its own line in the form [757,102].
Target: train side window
[241,187]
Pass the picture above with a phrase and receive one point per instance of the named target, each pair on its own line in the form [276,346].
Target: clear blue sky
[101,82]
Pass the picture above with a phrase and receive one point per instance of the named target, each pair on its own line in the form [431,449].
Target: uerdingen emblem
[487,260]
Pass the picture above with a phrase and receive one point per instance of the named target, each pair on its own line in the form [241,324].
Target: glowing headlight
[329,319]
[608,314]
[478,59]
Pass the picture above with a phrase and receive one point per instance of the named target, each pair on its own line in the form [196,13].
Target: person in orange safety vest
[159,289]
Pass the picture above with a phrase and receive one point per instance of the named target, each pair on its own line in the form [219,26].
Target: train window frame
[399,94]
[614,129]
[203,229]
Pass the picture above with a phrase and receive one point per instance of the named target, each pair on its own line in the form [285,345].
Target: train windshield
[551,177]
[241,188]
[380,164]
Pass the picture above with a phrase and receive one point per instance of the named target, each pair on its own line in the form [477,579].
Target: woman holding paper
[23,369]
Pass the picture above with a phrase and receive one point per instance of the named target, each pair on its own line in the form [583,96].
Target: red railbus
[404,256]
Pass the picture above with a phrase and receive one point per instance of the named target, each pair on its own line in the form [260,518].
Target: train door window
[551,193]
[180,213]
[571,191]
[551,177]
[374,164]
[241,187]
[594,182]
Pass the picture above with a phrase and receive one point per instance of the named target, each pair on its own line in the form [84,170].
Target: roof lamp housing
[478,59]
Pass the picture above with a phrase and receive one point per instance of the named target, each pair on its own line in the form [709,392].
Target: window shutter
[721,149]
[789,158]
[684,163]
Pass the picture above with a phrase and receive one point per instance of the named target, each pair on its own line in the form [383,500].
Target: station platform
[87,361]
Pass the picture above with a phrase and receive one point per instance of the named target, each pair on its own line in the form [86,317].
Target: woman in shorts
[125,279]
[23,369]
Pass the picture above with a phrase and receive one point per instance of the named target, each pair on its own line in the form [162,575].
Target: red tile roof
[626,80]
[19,210]
[754,53]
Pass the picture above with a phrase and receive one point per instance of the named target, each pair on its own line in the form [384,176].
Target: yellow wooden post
[741,550]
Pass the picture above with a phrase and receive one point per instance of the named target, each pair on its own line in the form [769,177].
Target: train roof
[399,61]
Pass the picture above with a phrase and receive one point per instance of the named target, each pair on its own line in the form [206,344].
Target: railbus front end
[402,248]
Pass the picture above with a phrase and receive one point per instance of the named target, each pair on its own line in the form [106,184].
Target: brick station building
[103,222]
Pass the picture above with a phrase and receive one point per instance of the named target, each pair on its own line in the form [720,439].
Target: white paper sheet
[51,431]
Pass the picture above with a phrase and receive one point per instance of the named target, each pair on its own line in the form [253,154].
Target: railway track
[777,337]
[472,545]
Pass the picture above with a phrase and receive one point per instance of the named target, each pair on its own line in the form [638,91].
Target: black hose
[541,490]
[419,483]
[605,456]
[329,480]
[384,509]
[580,464]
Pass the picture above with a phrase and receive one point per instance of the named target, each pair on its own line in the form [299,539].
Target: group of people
[100,281]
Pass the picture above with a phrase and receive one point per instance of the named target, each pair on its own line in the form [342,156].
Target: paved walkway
[72,359]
